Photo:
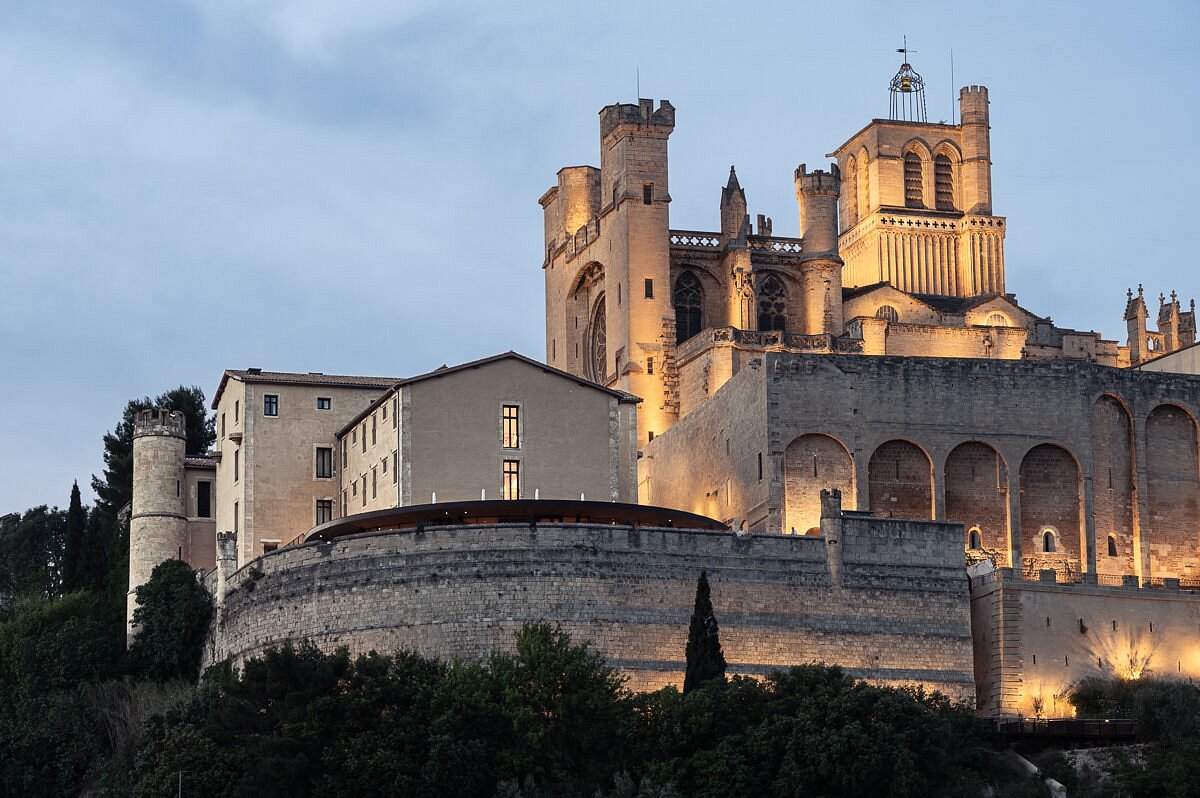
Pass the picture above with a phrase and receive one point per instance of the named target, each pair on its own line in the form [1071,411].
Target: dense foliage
[705,660]
[172,620]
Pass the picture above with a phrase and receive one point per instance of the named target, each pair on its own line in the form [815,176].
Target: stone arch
[812,463]
[976,485]
[850,193]
[596,363]
[1113,475]
[587,286]
[1050,500]
[900,481]
[1173,492]
[888,313]
[863,185]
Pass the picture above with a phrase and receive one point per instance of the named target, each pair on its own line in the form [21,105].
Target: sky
[351,186]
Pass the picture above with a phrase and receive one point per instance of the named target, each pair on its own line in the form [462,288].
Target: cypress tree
[705,660]
[73,550]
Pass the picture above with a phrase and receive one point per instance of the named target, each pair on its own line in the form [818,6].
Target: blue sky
[351,186]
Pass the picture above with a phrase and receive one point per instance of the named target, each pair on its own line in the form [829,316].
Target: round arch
[975,478]
[1173,491]
[812,463]
[1049,479]
[900,481]
[1113,478]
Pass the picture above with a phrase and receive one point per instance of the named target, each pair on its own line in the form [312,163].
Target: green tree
[705,660]
[172,616]
[115,489]
[32,550]
[73,546]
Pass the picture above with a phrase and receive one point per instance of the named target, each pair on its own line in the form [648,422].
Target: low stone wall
[462,591]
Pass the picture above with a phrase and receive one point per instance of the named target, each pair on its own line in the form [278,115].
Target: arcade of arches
[1062,522]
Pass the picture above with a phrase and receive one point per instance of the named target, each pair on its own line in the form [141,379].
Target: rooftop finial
[907,91]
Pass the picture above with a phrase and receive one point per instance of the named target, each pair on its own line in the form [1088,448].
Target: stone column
[1014,519]
[226,563]
[831,530]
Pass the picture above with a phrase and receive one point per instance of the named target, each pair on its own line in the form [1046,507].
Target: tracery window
[772,304]
[913,190]
[887,313]
[943,183]
[997,320]
[598,344]
[688,300]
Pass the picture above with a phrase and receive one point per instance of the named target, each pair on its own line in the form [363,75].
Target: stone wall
[1034,639]
[899,616]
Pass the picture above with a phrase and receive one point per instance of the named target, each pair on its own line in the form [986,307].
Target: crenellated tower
[609,316]
[820,265]
[157,523]
[916,208]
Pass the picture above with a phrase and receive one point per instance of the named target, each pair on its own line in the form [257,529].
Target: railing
[695,239]
[1129,581]
[772,244]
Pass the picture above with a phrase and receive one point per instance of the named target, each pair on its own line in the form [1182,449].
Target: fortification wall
[1035,639]
[464,591]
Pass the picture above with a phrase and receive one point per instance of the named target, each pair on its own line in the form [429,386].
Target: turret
[157,523]
[734,219]
[820,265]
[1135,325]
[976,150]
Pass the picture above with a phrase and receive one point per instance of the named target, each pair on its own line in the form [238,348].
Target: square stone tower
[916,205]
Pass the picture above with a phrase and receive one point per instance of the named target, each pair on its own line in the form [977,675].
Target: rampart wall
[897,613]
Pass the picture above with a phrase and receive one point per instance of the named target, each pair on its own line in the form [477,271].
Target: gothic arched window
[1112,545]
[1049,545]
[974,539]
[850,192]
[772,304]
[943,182]
[598,344]
[688,300]
[913,190]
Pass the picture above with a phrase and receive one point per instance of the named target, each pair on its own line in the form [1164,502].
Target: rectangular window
[649,288]
[647,193]
[354,488]
[324,511]
[345,506]
[512,479]
[383,407]
[235,518]
[760,471]
[236,465]
[324,462]
[324,403]
[204,500]
[649,365]
[237,410]
[270,546]
[510,427]
[364,436]
[374,429]
[383,462]
[395,404]
[395,460]
[375,482]
[222,425]
[270,404]
[364,491]
[343,454]
[651,434]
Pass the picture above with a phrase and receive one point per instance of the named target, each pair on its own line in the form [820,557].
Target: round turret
[157,523]
[820,266]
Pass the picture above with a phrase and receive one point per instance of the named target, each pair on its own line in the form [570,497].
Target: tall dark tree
[705,660]
[96,553]
[116,487]
[172,618]
[73,548]
[31,552]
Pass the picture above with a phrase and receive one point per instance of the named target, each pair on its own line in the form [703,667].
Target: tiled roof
[199,461]
[296,378]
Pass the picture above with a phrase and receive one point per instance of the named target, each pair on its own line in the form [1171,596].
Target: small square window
[270,404]
[324,403]
[270,546]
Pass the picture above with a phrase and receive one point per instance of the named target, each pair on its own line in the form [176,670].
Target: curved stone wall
[900,613]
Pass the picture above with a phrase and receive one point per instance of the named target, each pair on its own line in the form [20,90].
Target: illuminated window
[512,479]
[510,427]
[772,304]
[270,404]
[913,190]
[689,303]
[943,182]
[887,313]
[597,335]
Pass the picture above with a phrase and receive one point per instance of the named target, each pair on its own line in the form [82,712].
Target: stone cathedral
[881,458]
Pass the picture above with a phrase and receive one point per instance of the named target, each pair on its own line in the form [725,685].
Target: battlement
[160,422]
[973,105]
[818,181]
[640,116]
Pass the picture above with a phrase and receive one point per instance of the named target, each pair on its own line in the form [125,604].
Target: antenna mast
[907,91]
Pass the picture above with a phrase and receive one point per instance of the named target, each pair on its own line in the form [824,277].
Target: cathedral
[883,460]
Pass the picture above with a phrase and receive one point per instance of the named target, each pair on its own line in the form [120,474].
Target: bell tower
[916,203]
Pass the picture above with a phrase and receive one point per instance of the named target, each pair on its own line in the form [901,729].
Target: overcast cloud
[352,186]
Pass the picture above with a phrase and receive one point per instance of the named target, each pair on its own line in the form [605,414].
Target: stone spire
[735,222]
